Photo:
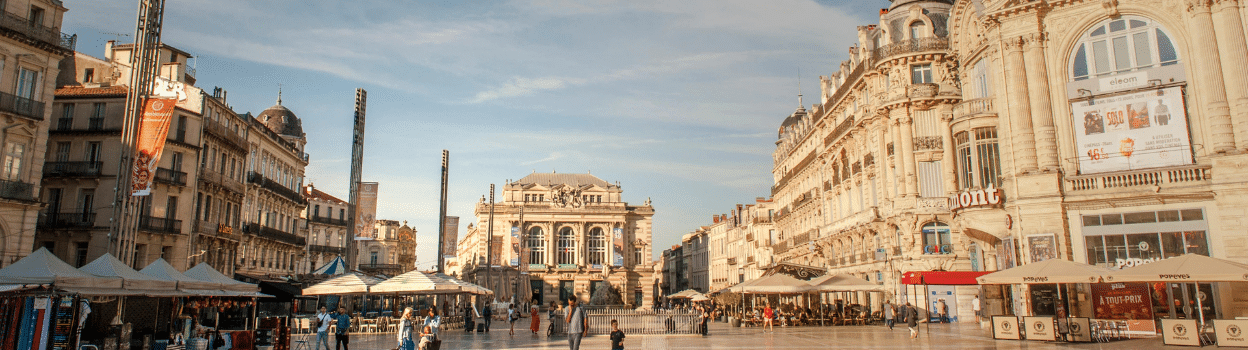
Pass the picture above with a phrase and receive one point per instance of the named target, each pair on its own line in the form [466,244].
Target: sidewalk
[934,336]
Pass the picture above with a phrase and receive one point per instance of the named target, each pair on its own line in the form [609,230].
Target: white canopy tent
[416,282]
[843,283]
[43,268]
[108,266]
[1048,271]
[206,273]
[161,269]
[465,286]
[346,284]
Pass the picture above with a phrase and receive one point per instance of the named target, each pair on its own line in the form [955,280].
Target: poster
[1132,131]
[1179,332]
[153,131]
[1122,301]
[1006,258]
[451,230]
[1005,327]
[1039,328]
[1042,247]
[366,210]
[515,246]
[1231,332]
[617,245]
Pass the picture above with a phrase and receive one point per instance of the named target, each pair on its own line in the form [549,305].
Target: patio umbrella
[334,267]
[684,294]
[1048,271]
[699,298]
[108,266]
[416,282]
[465,286]
[1187,268]
[843,283]
[777,284]
[351,283]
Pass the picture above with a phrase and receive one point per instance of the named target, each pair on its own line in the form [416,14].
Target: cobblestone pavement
[938,336]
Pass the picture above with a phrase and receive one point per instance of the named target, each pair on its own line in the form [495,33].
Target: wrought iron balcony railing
[160,225]
[330,221]
[21,106]
[67,220]
[72,169]
[910,46]
[279,235]
[17,190]
[36,31]
[275,187]
[316,248]
[171,177]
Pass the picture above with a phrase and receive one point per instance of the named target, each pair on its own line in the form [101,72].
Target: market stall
[1182,272]
[43,305]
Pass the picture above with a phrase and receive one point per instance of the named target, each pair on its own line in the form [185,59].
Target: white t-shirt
[975,304]
[324,318]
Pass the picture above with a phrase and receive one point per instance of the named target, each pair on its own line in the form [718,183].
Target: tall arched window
[936,238]
[918,29]
[567,246]
[597,246]
[1122,45]
[537,246]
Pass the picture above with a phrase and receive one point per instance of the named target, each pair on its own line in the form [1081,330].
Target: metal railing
[923,143]
[95,123]
[169,176]
[162,225]
[910,46]
[330,221]
[64,123]
[72,169]
[279,235]
[644,322]
[52,36]
[59,220]
[21,106]
[17,190]
[316,248]
[215,128]
[275,187]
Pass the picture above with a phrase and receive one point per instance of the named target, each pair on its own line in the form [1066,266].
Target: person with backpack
[322,326]
[578,323]
[487,315]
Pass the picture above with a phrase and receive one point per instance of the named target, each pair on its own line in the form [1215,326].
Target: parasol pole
[1200,309]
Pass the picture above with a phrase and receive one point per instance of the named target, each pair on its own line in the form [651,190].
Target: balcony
[973,107]
[1142,179]
[279,235]
[326,249]
[95,124]
[52,37]
[389,269]
[170,177]
[72,169]
[928,143]
[275,187]
[330,221]
[216,129]
[21,106]
[64,123]
[17,190]
[221,180]
[67,220]
[910,46]
[160,225]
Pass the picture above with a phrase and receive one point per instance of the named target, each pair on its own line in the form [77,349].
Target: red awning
[948,278]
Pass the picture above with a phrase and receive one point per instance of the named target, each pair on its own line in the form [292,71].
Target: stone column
[1041,107]
[1019,106]
[907,156]
[897,162]
[948,158]
[1233,50]
[1209,76]
[881,161]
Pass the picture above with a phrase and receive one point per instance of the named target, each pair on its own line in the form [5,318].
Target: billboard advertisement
[1132,131]
[366,210]
[451,238]
[617,247]
[515,246]
[1122,301]
[1042,247]
[153,131]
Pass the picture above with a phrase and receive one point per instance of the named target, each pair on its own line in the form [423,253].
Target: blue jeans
[888,322]
[574,341]
[321,339]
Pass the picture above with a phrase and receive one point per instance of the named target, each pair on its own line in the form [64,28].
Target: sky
[678,101]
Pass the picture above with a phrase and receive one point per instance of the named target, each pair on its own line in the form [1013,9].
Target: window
[176,161]
[987,155]
[567,246]
[316,211]
[67,117]
[921,74]
[918,29]
[936,238]
[88,75]
[27,83]
[93,152]
[980,81]
[1122,45]
[537,246]
[181,131]
[62,151]
[597,246]
[80,254]
[36,16]
[14,153]
[930,183]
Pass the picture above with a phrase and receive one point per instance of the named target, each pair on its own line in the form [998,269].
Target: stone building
[217,220]
[697,260]
[571,232]
[976,135]
[390,251]
[31,45]
[276,235]
[328,227]
[80,173]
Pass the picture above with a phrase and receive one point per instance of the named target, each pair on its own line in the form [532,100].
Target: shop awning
[1048,271]
[947,278]
[843,283]
[41,267]
[1185,268]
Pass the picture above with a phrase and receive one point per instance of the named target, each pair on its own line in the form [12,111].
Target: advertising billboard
[366,210]
[1132,131]
[153,131]
[515,246]
[1122,301]
[617,247]
[451,238]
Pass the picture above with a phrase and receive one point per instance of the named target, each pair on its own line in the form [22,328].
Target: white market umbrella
[777,284]
[41,267]
[416,282]
[1048,271]
[108,266]
[206,273]
[1187,268]
[351,283]
[467,287]
[842,283]
[684,294]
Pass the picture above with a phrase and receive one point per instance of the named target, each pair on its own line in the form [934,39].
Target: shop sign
[1080,329]
[1231,332]
[1121,301]
[1133,262]
[1039,328]
[1005,327]
[975,198]
[224,229]
[1180,332]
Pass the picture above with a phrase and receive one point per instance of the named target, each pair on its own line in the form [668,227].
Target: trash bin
[734,322]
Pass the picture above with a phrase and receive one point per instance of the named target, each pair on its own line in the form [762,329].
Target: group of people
[408,337]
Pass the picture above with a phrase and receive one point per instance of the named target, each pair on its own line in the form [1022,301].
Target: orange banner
[153,130]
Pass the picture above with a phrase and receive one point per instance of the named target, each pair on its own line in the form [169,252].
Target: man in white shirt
[323,320]
[975,307]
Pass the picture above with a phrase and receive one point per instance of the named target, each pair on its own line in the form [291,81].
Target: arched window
[936,238]
[1122,45]
[567,247]
[537,246]
[918,29]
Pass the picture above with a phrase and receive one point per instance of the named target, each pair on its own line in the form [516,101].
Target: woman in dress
[406,322]
[536,321]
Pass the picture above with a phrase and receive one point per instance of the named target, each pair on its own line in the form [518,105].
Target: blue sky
[679,101]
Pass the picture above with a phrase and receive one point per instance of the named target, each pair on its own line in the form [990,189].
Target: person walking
[617,336]
[322,320]
[578,323]
[890,313]
[512,317]
[434,323]
[768,316]
[535,322]
[406,322]
[487,315]
[976,308]
[912,320]
[942,309]
[469,321]
[343,338]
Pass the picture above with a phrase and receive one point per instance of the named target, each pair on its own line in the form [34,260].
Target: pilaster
[1234,54]
[907,156]
[1041,107]
[1022,136]
[1208,66]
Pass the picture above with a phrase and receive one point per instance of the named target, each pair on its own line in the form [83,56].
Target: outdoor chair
[305,325]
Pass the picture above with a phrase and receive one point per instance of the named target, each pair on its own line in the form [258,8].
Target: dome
[898,3]
[281,120]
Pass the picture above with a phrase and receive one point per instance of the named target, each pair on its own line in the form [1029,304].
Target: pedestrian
[426,339]
[469,321]
[768,316]
[535,322]
[322,321]
[487,314]
[343,338]
[912,320]
[942,309]
[889,314]
[617,336]
[976,308]
[406,322]
[434,322]
[706,315]
[512,317]
[578,323]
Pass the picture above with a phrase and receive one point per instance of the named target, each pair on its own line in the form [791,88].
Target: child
[426,337]
[617,336]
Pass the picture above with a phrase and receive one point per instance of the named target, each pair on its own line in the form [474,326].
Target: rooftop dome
[897,3]
[281,120]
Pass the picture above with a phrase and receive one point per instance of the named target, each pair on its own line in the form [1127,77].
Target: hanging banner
[153,131]
[366,210]
[1122,301]
[617,244]
[451,238]
[515,246]
[1132,131]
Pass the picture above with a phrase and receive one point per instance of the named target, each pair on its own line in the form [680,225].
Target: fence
[644,322]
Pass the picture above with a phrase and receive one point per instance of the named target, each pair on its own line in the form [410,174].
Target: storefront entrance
[565,291]
[1178,300]
[538,287]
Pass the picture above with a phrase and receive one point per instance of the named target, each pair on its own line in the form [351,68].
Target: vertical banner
[1041,247]
[366,210]
[451,238]
[617,246]
[1005,256]
[1132,131]
[515,246]
[153,130]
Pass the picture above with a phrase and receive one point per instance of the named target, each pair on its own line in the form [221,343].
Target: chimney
[715,219]
[108,50]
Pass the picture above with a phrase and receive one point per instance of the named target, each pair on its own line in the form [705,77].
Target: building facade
[571,232]
[328,227]
[217,220]
[276,233]
[390,251]
[697,259]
